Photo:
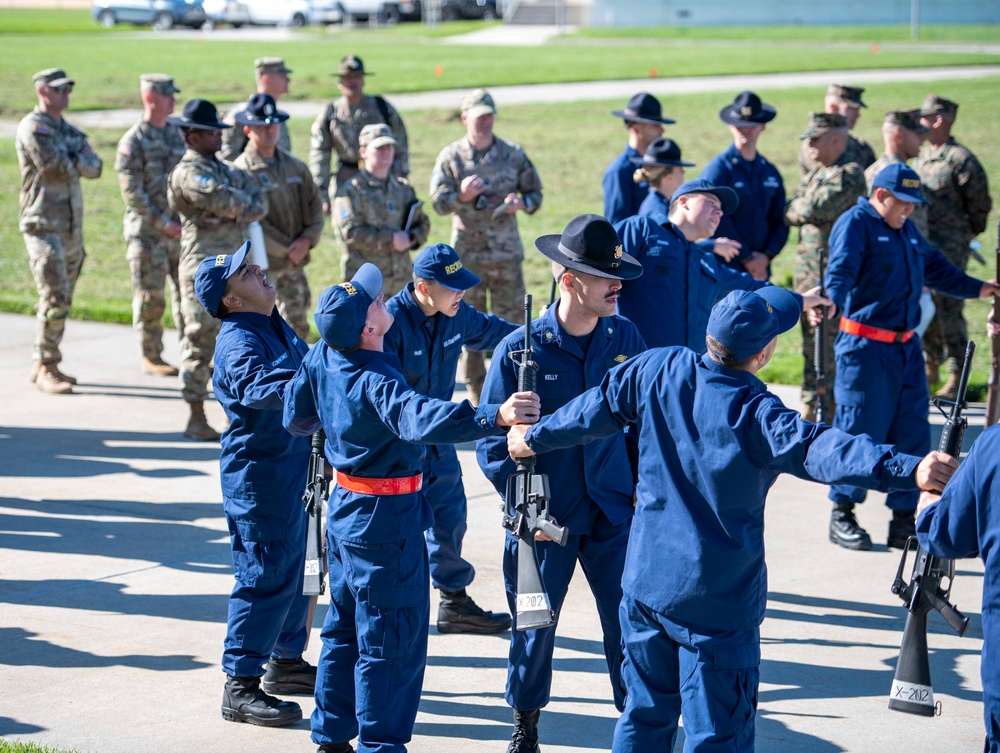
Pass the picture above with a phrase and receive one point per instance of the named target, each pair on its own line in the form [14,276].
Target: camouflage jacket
[294,205]
[337,129]
[53,157]
[919,216]
[144,159]
[956,189]
[216,202]
[234,141]
[858,150]
[505,168]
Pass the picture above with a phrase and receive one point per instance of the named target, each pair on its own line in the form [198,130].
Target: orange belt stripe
[874,333]
[380,487]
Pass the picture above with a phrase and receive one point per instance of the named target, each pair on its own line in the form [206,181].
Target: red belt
[380,487]
[874,333]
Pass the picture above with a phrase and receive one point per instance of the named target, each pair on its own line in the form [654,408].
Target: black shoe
[289,677]
[901,527]
[525,737]
[845,531]
[458,613]
[244,701]
[335,748]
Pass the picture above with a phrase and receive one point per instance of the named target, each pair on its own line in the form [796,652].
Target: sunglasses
[63,88]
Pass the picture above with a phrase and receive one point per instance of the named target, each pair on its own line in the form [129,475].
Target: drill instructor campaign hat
[590,244]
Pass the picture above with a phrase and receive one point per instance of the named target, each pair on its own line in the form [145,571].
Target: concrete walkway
[115,570]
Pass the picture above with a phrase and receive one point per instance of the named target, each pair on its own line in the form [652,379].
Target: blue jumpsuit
[966,523]
[712,441]
[655,206]
[622,195]
[371,666]
[428,348]
[263,471]
[875,277]
[591,495]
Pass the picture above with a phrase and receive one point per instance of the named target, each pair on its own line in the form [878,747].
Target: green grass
[37,21]
[16,746]
[799,33]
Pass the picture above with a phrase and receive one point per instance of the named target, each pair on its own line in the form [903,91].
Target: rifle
[819,348]
[317,491]
[911,690]
[526,510]
[993,388]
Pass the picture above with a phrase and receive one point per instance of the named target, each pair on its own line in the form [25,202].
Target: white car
[388,12]
[294,13]
[232,12]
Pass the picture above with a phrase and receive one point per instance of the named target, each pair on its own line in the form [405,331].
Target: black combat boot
[845,531]
[335,748]
[289,677]
[525,737]
[901,527]
[458,613]
[244,701]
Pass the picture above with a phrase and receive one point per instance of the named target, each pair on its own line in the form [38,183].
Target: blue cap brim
[461,280]
[238,258]
[785,305]
[369,279]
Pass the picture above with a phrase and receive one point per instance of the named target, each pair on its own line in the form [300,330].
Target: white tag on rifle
[531,602]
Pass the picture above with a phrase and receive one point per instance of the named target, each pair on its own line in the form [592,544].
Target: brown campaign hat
[821,122]
[909,119]
[352,64]
[935,104]
[850,94]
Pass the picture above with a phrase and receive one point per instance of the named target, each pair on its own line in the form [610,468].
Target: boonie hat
[746,111]
[935,104]
[270,65]
[375,135]
[662,152]
[441,264]
[160,83]
[351,64]
[850,94]
[261,110]
[726,195]
[745,322]
[342,310]
[643,108]
[213,275]
[909,119]
[477,103]
[821,122]
[52,77]
[199,113]
[590,244]
[902,181]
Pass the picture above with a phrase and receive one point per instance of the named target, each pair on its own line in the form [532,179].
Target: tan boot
[36,369]
[158,367]
[949,390]
[198,428]
[809,414]
[932,372]
[51,381]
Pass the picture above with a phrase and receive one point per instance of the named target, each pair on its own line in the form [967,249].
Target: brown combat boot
[932,372]
[51,381]
[158,367]
[949,390]
[198,428]
[36,369]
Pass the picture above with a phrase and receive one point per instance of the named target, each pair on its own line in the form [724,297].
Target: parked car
[232,12]
[294,13]
[327,11]
[388,12]
[160,14]
[452,10]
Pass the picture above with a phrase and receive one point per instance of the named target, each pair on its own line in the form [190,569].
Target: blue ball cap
[342,309]
[903,181]
[441,264]
[213,275]
[745,322]
[726,195]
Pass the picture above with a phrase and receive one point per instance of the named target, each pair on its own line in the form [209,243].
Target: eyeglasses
[62,88]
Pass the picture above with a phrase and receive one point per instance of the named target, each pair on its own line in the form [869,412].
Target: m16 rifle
[526,510]
[993,386]
[819,349]
[316,493]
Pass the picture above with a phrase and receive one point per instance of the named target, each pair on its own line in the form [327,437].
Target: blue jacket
[876,273]
[375,427]
[429,346]
[598,473]
[622,195]
[712,441]
[655,206]
[262,467]
[759,221]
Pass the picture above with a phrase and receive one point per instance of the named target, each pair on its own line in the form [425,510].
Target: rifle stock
[993,388]
[316,493]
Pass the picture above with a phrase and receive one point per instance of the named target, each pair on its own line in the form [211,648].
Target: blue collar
[743,377]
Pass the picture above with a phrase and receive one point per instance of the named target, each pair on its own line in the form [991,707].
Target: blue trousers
[371,665]
[670,669]
[881,390]
[601,553]
[444,490]
[267,611]
[990,674]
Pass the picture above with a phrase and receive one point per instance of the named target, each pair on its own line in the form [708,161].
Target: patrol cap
[747,111]
[744,322]
[160,83]
[270,65]
[902,180]
[52,77]
[909,119]
[441,264]
[849,94]
[213,275]
[643,108]
[477,103]
[935,105]
[590,244]
[351,64]
[261,110]
[821,122]
[375,135]
[199,113]
[661,153]
[342,310]
[725,194]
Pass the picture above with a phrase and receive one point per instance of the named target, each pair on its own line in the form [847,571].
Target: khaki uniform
[858,150]
[53,156]
[295,210]
[337,128]
[234,141]
[919,216]
[366,214]
[216,202]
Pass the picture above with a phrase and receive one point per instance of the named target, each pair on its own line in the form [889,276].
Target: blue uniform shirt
[655,206]
[599,472]
[622,195]
[428,347]
[759,220]
[712,441]
[262,467]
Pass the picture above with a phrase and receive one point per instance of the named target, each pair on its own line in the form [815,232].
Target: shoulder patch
[41,128]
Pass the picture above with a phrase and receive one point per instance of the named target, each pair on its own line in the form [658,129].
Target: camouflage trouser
[947,334]
[505,282]
[153,261]
[55,260]
[197,344]
[294,298]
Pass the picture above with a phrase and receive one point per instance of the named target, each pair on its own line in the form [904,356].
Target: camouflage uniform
[53,156]
[216,202]
[295,209]
[234,141]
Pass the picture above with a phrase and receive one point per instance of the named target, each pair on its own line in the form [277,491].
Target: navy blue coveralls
[875,276]
[591,495]
[712,441]
[966,523]
[622,195]
[371,665]
[655,206]
[263,472]
[428,347]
